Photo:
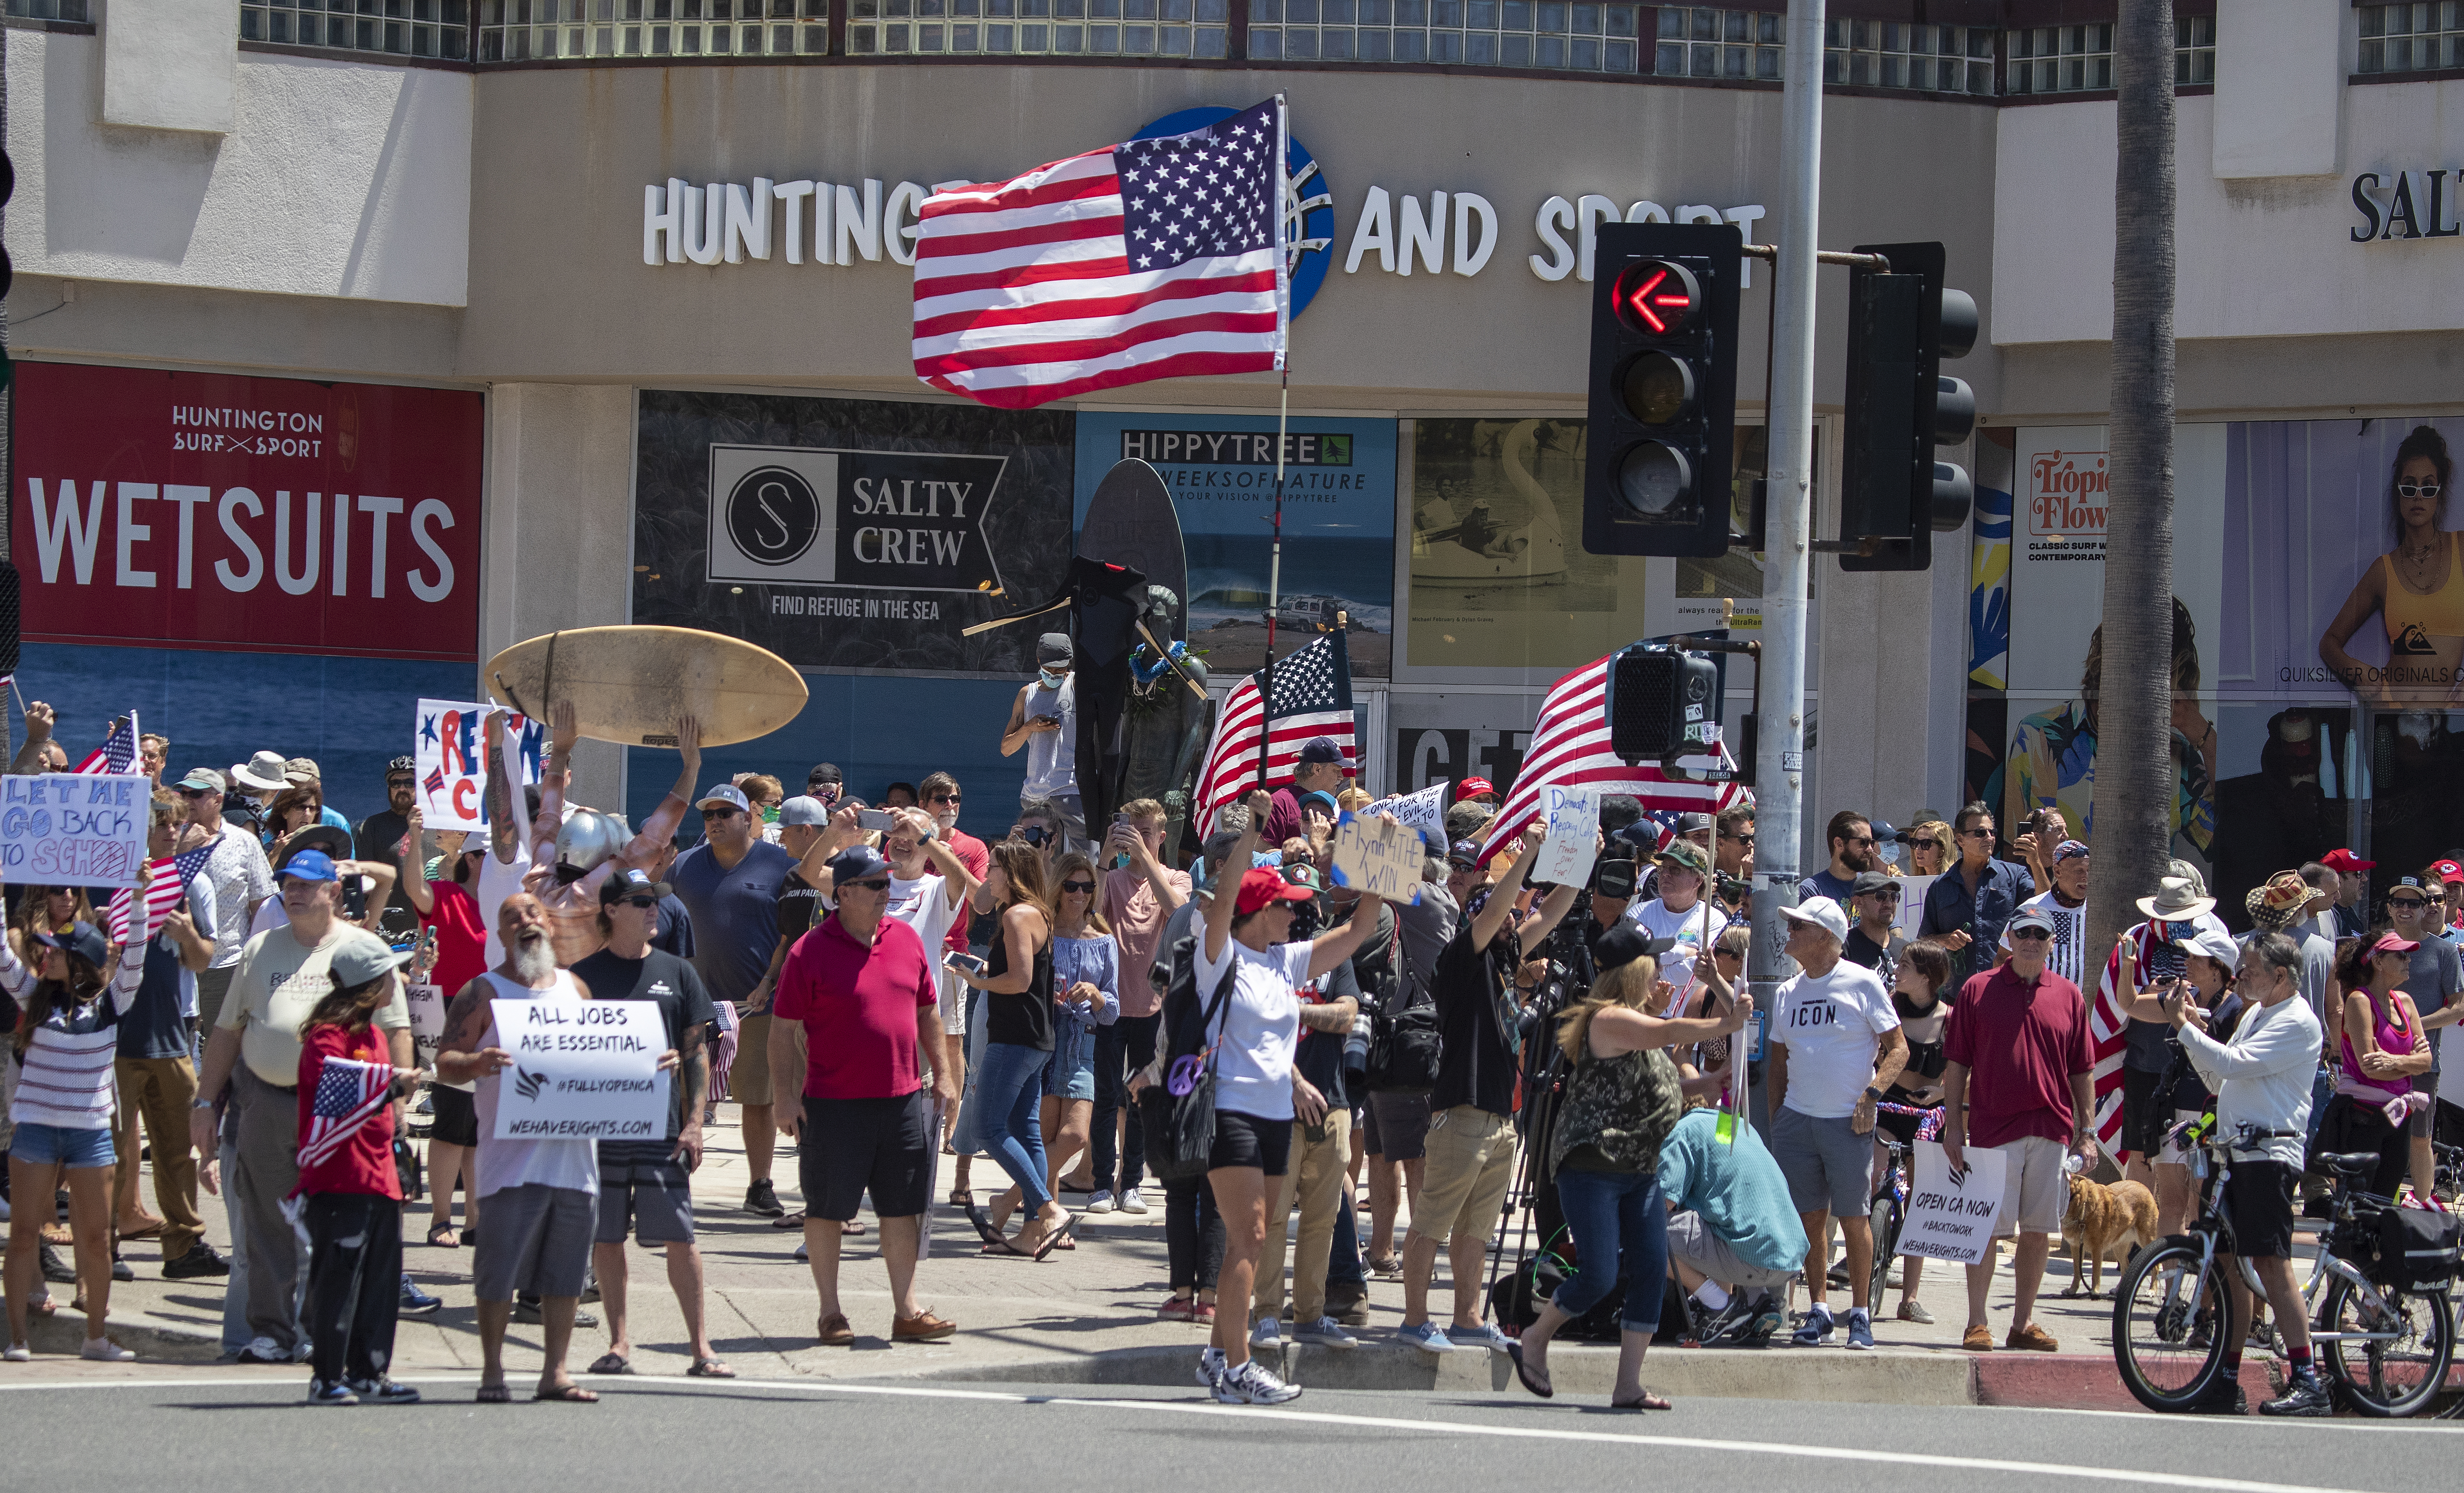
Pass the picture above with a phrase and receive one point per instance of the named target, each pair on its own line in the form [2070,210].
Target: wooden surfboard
[629,684]
[1130,521]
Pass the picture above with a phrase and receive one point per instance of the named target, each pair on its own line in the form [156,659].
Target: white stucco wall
[338,178]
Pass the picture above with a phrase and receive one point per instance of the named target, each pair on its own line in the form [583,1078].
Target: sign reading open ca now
[889,520]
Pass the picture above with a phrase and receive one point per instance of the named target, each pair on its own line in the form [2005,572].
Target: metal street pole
[1779,763]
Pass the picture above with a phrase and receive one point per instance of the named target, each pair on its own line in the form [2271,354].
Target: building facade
[563,273]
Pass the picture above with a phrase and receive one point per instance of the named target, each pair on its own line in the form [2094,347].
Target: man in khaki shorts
[1471,1160]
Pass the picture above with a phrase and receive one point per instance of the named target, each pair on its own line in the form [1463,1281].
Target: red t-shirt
[364,1162]
[977,859]
[2021,1045]
[858,1005]
[461,939]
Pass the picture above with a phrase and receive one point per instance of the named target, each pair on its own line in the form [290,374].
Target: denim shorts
[49,1145]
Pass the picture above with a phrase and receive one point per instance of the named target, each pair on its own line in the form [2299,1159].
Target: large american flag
[349,1094]
[1570,748]
[1313,698]
[117,752]
[1151,259]
[170,883]
[2159,960]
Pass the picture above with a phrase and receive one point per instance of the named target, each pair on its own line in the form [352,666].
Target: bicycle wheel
[1886,1245]
[2168,1324]
[2392,1377]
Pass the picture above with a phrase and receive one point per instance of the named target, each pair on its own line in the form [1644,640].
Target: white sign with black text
[582,1070]
[1951,1216]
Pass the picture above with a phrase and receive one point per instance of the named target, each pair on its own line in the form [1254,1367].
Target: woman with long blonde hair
[1621,1101]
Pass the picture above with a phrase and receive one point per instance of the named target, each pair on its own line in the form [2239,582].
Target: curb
[160,1339]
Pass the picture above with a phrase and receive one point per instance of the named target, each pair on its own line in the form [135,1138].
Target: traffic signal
[1664,389]
[1893,496]
[1662,702]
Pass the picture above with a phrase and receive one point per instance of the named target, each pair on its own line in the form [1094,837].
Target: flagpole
[1283,424]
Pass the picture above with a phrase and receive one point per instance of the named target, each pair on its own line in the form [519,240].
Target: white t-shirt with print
[924,906]
[2070,934]
[1259,1026]
[1687,928]
[1830,1025]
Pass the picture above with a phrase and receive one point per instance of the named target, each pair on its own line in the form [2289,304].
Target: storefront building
[570,271]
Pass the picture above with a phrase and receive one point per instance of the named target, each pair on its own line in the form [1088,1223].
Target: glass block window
[2407,38]
[2062,59]
[514,30]
[2195,49]
[405,28]
[1698,41]
[1534,34]
[1038,27]
[1947,59]
[50,9]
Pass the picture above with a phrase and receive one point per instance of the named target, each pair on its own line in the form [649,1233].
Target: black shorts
[2145,1118]
[643,1191]
[455,1116]
[851,1145]
[2261,1195]
[1245,1140]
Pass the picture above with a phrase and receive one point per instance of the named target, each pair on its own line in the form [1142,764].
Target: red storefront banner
[216,511]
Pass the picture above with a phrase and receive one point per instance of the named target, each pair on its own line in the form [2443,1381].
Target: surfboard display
[1130,521]
[629,684]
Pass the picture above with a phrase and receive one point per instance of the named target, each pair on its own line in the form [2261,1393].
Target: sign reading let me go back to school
[73,829]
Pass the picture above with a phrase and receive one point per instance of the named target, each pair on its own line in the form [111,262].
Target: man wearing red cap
[1477,790]
[2350,918]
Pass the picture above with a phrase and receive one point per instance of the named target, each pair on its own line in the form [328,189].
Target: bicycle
[1889,1210]
[2385,1348]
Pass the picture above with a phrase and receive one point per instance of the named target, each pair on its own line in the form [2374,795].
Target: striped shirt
[66,1080]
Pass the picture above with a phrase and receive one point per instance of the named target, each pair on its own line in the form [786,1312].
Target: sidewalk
[1087,1316]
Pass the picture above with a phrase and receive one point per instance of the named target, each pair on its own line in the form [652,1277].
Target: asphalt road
[751,1437]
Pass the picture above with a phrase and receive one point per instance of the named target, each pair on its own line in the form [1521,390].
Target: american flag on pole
[170,883]
[1149,259]
[1570,748]
[349,1094]
[117,752]
[1313,698]
[2159,960]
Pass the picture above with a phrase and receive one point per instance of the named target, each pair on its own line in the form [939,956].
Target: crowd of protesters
[882,989]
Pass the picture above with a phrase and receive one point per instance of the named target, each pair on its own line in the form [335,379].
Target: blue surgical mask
[1051,680]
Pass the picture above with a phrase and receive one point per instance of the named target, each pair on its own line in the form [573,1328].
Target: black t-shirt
[684,1003]
[378,838]
[1320,1058]
[1475,1066]
[1884,959]
[800,907]
[1020,1019]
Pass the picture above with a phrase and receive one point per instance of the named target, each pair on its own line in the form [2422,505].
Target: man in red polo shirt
[857,1015]
[2018,1080]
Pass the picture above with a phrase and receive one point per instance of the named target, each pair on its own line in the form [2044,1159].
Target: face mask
[1051,680]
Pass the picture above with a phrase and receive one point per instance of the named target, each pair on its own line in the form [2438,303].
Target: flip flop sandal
[567,1394]
[709,1369]
[1058,1238]
[610,1363]
[853,1228]
[495,1394]
[1648,1401]
[984,1225]
[1544,1391]
[793,1221]
[454,1242]
[1003,1248]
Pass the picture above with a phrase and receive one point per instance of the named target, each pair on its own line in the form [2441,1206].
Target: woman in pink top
[2380,1039]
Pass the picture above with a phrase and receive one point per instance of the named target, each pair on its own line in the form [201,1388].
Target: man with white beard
[542,1195]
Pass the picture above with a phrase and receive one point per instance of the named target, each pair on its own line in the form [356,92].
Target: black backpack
[1181,1127]
[1403,1042]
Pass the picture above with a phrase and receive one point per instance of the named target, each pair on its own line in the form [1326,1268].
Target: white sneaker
[17,1352]
[1265,1333]
[1131,1203]
[103,1350]
[1101,1201]
[1210,1367]
[1254,1384]
[805,1253]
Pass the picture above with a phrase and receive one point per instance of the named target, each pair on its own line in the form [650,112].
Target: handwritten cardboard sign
[1951,1217]
[1378,854]
[1573,818]
[582,1070]
[426,1022]
[1424,811]
[73,829]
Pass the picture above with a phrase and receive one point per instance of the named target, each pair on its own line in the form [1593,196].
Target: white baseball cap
[1822,912]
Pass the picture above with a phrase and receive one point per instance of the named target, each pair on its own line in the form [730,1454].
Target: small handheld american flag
[349,1094]
[163,893]
[1313,698]
[117,752]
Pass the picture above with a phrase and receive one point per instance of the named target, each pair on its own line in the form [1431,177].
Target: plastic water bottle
[2074,1164]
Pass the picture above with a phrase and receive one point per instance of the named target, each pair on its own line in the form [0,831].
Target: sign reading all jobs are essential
[582,1070]
[73,829]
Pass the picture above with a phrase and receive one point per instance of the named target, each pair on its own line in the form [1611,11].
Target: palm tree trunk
[2134,772]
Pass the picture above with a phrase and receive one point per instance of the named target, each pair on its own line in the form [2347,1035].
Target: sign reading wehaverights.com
[888,520]
[582,1070]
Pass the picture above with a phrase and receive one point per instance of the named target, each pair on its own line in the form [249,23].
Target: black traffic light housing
[1664,389]
[1893,496]
[1663,703]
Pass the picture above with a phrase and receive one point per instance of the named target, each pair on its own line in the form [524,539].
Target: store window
[512,30]
[2411,38]
[1534,33]
[1949,59]
[2072,59]
[404,27]
[50,9]
[1038,27]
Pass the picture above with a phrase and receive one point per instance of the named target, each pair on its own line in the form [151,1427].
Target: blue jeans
[2323,1087]
[1009,1095]
[1616,1218]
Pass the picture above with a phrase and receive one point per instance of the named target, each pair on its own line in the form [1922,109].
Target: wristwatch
[1872,1093]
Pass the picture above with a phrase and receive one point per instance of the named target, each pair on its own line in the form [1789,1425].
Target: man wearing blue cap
[253,1064]
[1319,770]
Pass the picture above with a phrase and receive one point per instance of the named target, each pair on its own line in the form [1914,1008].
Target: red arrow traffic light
[1656,298]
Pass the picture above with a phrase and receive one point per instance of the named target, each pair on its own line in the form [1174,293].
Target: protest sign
[1951,1217]
[1912,895]
[73,829]
[426,1022]
[1378,854]
[1573,816]
[1424,811]
[451,750]
[582,1070]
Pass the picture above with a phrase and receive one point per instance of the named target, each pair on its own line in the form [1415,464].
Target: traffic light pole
[1779,766]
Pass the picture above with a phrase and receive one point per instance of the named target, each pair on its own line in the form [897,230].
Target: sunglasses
[2029,935]
[869,884]
[1978,833]
[1740,839]
[707,815]
[2410,489]
[195,794]
[945,798]
[1078,886]
[637,902]
[2409,904]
